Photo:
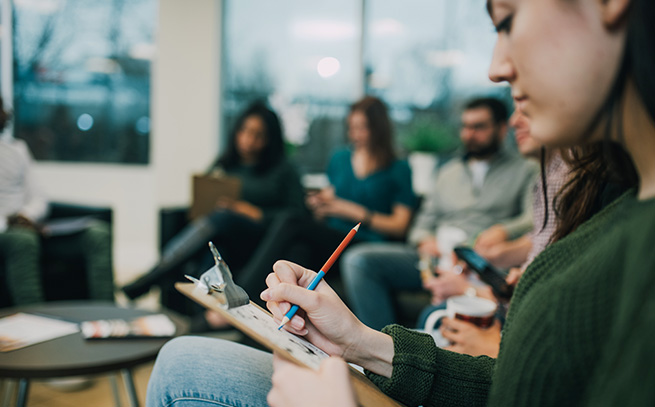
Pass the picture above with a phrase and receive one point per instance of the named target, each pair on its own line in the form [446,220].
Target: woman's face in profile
[251,139]
[561,58]
[358,130]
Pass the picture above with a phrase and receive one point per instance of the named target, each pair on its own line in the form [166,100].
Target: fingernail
[296,323]
[265,295]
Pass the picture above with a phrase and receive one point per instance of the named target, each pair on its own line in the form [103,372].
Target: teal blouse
[378,192]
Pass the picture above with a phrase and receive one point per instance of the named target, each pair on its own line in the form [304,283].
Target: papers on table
[20,330]
[149,326]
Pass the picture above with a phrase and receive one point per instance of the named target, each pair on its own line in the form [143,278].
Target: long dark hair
[272,153]
[379,125]
[599,173]
[604,163]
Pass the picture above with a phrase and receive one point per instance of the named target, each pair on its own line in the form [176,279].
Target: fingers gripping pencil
[326,267]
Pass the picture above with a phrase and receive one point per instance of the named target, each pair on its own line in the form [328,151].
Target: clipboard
[259,325]
[208,188]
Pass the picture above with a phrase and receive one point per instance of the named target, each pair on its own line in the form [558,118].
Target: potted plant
[426,140]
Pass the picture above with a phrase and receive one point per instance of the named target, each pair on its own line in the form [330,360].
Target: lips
[521,136]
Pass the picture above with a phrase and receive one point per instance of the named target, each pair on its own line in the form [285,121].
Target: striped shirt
[557,173]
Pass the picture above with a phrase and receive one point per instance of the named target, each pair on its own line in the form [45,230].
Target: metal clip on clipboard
[217,281]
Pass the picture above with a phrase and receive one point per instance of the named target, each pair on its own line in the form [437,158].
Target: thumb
[334,366]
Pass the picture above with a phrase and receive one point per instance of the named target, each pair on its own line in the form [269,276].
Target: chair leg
[113,381]
[23,388]
[129,387]
[8,390]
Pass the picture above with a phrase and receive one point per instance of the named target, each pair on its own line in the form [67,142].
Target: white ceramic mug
[448,237]
[476,310]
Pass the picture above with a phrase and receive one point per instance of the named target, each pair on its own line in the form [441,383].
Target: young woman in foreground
[580,327]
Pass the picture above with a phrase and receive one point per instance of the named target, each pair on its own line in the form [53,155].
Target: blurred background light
[328,66]
[85,122]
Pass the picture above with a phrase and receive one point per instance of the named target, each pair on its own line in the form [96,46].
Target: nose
[502,67]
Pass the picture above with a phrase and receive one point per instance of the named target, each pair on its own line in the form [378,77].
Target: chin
[550,136]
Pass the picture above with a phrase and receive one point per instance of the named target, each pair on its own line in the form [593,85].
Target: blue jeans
[373,273]
[196,371]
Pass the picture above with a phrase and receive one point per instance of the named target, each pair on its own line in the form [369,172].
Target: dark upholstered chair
[62,279]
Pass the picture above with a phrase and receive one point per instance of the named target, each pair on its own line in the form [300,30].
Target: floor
[98,394]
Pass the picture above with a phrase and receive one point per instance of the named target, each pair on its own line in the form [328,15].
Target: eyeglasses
[477,126]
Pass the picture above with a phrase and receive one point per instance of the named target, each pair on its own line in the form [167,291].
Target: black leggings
[293,237]
[235,236]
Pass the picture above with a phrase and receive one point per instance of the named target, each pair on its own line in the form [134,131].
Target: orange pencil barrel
[337,252]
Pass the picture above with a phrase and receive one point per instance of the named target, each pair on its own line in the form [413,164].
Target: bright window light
[328,66]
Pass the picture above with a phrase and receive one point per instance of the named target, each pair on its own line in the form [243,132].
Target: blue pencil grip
[311,286]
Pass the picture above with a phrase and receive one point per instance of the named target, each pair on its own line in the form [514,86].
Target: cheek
[567,71]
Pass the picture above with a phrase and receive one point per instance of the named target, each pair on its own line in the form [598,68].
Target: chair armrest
[69,210]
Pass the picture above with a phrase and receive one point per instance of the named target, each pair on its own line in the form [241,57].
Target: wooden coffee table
[72,355]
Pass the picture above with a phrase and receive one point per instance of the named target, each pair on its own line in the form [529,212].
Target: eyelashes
[505,25]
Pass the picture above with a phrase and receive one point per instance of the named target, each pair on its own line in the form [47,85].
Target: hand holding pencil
[326,267]
[326,321]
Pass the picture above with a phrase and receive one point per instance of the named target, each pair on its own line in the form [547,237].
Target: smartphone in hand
[488,273]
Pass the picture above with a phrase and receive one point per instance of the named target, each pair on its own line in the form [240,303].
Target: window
[425,58]
[304,58]
[81,78]
[311,60]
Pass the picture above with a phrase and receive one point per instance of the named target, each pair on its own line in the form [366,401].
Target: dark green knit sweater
[580,330]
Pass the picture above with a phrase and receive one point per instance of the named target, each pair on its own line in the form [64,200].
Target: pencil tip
[357,227]
[284,321]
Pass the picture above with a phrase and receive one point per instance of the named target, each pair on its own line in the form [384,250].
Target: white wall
[184,139]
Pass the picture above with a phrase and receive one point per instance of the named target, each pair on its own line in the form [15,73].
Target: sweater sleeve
[426,375]
[626,370]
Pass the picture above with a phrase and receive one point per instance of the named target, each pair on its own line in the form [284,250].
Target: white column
[185,94]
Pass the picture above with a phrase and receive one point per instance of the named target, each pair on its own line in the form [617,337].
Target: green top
[580,330]
[277,189]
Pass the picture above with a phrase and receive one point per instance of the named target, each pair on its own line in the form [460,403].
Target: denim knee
[198,371]
[355,264]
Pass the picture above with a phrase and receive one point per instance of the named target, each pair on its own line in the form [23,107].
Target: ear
[614,11]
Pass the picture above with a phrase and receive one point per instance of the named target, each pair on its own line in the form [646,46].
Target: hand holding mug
[470,339]
[475,310]
[448,237]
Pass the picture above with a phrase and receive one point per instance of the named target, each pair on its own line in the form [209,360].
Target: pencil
[326,267]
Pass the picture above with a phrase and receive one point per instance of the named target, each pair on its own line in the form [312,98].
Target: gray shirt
[505,197]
